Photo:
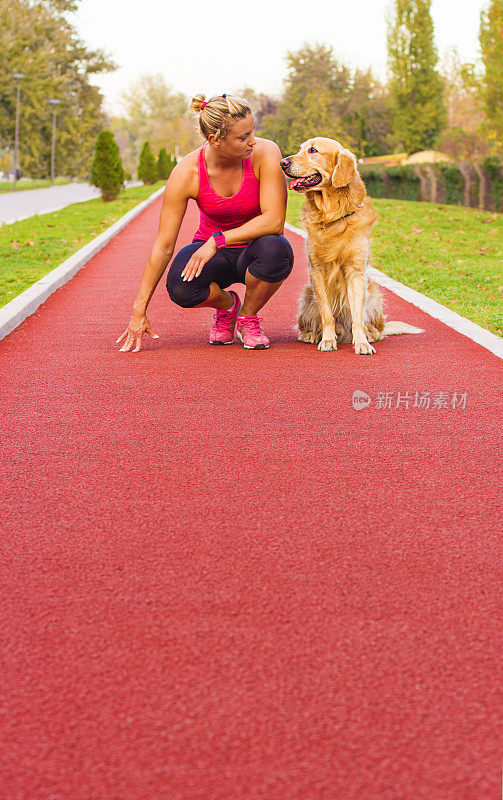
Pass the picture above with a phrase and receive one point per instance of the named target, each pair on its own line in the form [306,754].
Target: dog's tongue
[295,182]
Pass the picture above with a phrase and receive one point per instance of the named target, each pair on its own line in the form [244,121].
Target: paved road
[219,581]
[15,206]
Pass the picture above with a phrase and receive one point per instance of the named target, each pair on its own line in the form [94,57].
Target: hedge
[453,182]
[404,183]
[494,171]
[479,185]
[374,181]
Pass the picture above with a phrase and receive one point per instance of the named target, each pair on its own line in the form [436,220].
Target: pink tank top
[224,213]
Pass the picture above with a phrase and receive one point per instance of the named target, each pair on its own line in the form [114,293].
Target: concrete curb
[12,314]
[450,318]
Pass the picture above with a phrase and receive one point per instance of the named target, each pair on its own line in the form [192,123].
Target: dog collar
[348,215]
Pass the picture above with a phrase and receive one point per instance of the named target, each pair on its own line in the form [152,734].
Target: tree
[262,105]
[37,40]
[164,164]
[464,138]
[314,99]
[155,113]
[416,86]
[147,170]
[107,171]
[323,97]
[367,117]
[491,47]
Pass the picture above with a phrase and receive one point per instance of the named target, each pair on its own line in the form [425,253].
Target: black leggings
[268,258]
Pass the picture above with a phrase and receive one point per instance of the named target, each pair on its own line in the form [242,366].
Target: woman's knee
[272,258]
[185,293]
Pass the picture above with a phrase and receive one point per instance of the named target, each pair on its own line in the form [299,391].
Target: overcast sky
[219,46]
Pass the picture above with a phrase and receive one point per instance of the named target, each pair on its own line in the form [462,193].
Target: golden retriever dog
[341,303]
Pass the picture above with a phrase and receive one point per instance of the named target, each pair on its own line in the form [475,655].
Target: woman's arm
[176,195]
[173,209]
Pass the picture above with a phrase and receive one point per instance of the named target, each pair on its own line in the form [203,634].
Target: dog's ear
[345,169]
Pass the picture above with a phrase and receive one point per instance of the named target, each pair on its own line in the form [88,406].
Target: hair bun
[197,103]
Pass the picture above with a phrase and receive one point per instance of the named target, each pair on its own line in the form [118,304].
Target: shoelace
[252,324]
[224,317]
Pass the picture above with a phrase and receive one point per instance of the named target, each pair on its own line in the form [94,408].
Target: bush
[147,170]
[164,165]
[456,183]
[374,181]
[453,182]
[107,172]
[494,169]
[404,184]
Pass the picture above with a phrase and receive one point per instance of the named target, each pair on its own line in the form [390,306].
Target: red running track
[221,582]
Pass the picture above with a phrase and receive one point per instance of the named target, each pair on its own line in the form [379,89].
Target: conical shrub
[147,170]
[163,165]
[107,172]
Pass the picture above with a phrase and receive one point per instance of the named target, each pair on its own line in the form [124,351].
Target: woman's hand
[138,324]
[195,265]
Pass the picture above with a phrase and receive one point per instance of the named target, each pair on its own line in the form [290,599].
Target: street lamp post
[53,147]
[18,77]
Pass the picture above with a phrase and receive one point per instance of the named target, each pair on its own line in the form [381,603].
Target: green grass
[449,253]
[33,247]
[25,183]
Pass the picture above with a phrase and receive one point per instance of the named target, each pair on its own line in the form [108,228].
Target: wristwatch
[219,239]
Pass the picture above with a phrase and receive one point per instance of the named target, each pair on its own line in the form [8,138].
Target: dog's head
[320,163]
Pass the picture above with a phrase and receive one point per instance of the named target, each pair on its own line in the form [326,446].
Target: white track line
[436,310]
[13,314]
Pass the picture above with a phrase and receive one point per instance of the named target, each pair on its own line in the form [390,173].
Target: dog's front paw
[327,344]
[362,347]
[308,336]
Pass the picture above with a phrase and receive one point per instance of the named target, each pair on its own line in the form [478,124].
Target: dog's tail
[395,327]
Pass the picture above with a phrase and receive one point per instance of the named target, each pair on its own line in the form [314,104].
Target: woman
[239,187]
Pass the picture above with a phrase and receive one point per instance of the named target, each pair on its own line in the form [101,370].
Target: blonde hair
[219,113]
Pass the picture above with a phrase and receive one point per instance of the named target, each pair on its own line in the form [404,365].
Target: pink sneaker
[249,332]
[222,330]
